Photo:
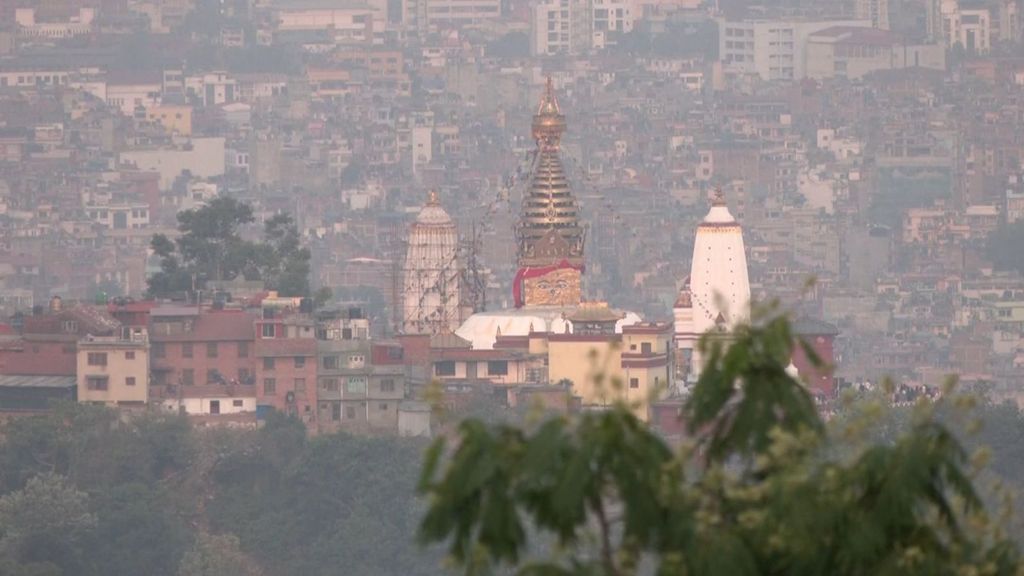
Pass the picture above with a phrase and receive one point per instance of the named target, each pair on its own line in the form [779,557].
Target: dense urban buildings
[477,194]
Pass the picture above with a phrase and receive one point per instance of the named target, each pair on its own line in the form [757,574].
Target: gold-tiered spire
[549,229]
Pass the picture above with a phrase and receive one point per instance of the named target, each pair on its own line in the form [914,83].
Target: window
[212,377]
[188,377]
[96,383]
[350,412]
[330,362]
[214,406]
[497,367]
[300,361]
[130,355]
[383,406]
[129,381]
[186,350]
[267,330]
[387,385]
[268,363]
[645,347]
[97,358]
[243,376]
[329,384]
[356,361]
[300,385]
[336,412]
[236,403]
[243,349]
[444,368]
[70,326]
[355,385]
[211,349]
[269,386]
[634,382]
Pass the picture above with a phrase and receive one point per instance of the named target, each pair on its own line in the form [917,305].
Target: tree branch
[607,553]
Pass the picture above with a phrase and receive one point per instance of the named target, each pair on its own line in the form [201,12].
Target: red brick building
[192,347]
[286,365]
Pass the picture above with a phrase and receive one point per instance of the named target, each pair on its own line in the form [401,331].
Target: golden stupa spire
[549,230]
[548,122]
[433,199]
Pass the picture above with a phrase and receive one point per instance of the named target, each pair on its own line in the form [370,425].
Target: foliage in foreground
[764,487]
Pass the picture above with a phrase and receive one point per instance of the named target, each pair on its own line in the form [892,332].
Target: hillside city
[351,211]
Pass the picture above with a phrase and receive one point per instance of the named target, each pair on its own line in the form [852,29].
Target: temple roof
[432,212]
[594,312]
[548,204]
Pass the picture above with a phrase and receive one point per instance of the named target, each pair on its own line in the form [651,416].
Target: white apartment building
[771,49]
[577,26]
[431,15]
[974,26]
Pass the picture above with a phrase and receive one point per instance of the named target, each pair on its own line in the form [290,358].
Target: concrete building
[636,362]
[174,119]
[876,11]
[770,49]
[559,27]
[431,15]
[78,25]
[114,370]
[853,52]
[431,294]
[202,157]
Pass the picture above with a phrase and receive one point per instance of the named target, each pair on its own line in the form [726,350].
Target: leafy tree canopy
[211,247]
[763,488]
[1004,247]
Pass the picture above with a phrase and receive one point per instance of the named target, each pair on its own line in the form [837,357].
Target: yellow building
[174,119]
[114,370]
[604,366]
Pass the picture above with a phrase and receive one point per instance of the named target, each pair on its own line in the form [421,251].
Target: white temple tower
[431,291]
[718,289]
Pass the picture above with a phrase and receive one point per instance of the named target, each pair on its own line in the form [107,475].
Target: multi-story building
[559,27]
[430,15]
[195,347]
[771,49]
[845,52]
[286,363]
[114,370]
[359,386]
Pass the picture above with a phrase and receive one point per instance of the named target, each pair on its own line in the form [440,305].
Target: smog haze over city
[551,287]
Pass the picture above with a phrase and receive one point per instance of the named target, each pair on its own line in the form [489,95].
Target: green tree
[217,555]
[211,247]
[42,526]
[1004,247]
[764,487]
[284,260]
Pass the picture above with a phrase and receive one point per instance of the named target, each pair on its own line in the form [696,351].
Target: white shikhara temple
[431,291]
[716,296]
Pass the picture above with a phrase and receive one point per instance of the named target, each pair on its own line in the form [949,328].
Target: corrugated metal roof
[9,381]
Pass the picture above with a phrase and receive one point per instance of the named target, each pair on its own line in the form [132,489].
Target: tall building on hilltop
[432,295]
[549,233]
[717,296]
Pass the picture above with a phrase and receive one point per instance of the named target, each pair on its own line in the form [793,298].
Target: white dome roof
[482,328]
[719,215]
[433,215]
